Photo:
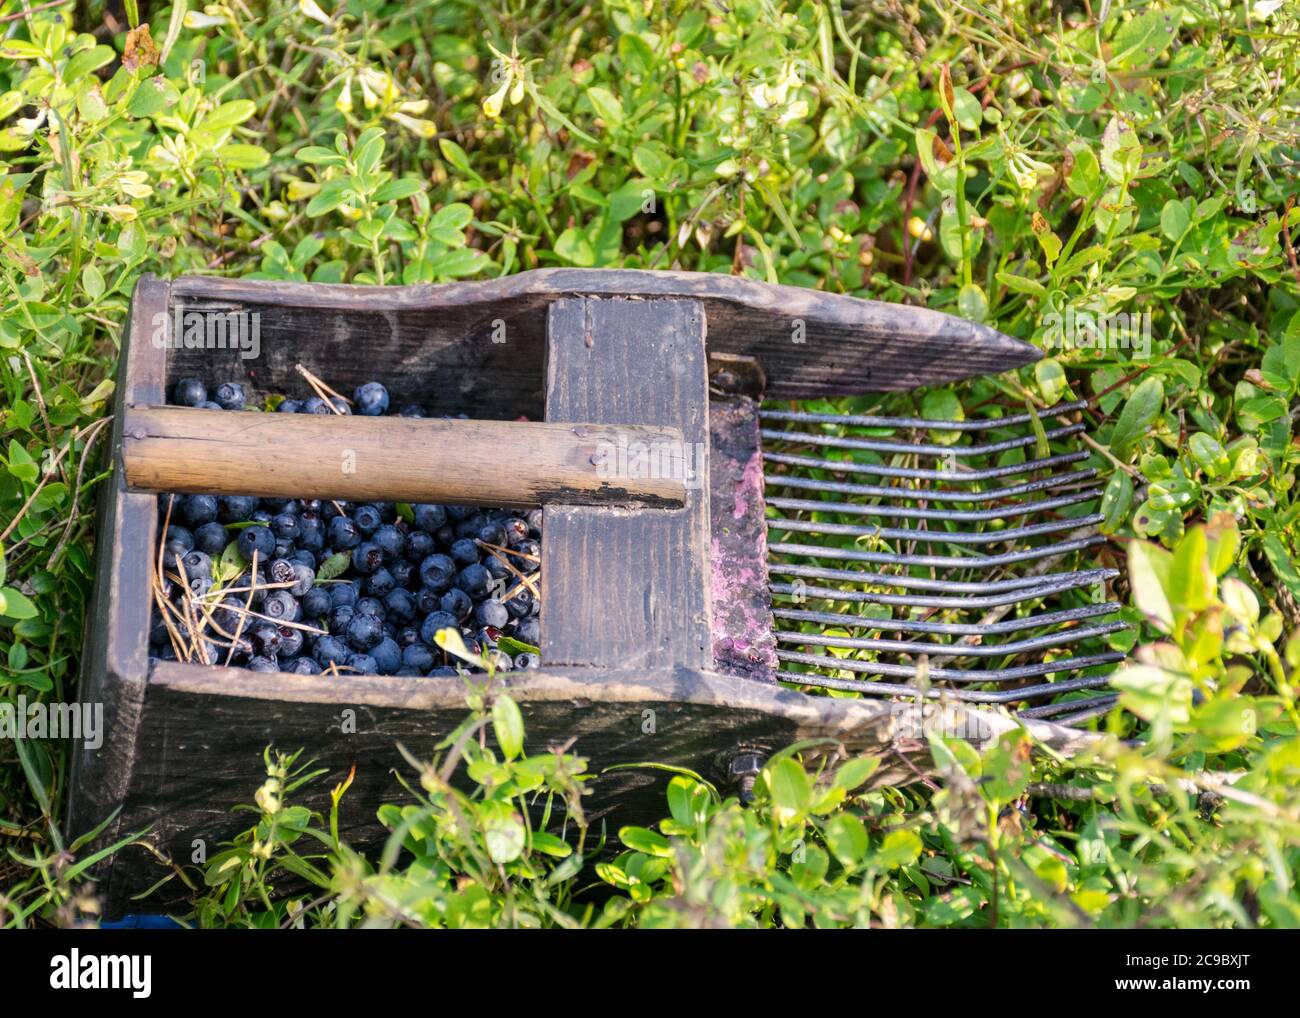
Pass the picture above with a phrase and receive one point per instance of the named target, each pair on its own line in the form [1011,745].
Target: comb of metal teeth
[901,568]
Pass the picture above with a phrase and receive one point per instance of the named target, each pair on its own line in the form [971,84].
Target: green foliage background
[1002,161]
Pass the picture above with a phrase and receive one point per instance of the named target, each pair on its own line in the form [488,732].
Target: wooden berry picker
[630,454]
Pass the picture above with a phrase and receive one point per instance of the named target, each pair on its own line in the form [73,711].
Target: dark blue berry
[229,396]
[391,542]
[262,664]
[343,593]
[363,664]
[211,538]
[331,650]
[456,602]
[399,605]
[304,666]
[256,539]
[236,508]
[380,583]
[367,518]
[387,655]
[343,533]
[429,518]
[282,606]
[190,392]
[289,406]
[475,581]
[367,557]
[371,400]
[434,622]
[266,639]
[286,526]
[340,616]
[437,573]
[311,531]
[411,410]
[370,606]
[418,656]
[178,542]
[419,545]
[197,510]
[528,631]
[491,613]
[197,565]
[464,552]
[316,603]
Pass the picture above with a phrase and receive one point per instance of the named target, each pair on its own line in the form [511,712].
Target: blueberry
[286,526]
[459,512]
[521,605]
[434,622]
[527,660]
[391,541]
[380,583]
[304,666]
[331,650]
[197,510]
[343,594]
[445,535]
[283,548]
[229,396]
[303,578]
[409,673]
[316,603]
[418,656]
[442,672]
[437,573]
[343,533]
[211,539]
[475,581]
[492,533]
[335,507]
[496,567]
[367,557]
[262,517]
[340,616]
[306,557]
[491,613]
[535,521]
[399,605]
[367,519]
[290,406]
[516,530]
[311,531]
[500,660]
[315,405]
[456,602]
[528,631]
[530,547]
[262,664]
[419,545]
[282,606]
[256,539]
[177,543]
[464,552]
[371,400]
[190,392]
[387,655]
[429,518]
[291,641]
[275,506]
[200,585]
[411,410]
[198,565]
[408,635]
[266,639]
[280,571]
[236,508]
[370,606]
[402,571]
[427,600]
[364,664]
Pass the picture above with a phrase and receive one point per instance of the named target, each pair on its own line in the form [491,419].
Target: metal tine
[868,421]
[1079,717]
[1078,578]
[966,695]
[917,513]
[1070,706]
[974,561]
[1060,638]
[919,449]
[1065,664]
[1064,616]
[920,474]
[997,600]
[933,536]
[930,494]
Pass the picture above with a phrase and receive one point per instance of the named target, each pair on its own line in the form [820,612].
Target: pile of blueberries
[408,575]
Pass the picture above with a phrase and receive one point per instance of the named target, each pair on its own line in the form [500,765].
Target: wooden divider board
[623,587]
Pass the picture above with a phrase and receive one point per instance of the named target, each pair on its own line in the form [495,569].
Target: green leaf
[395,190]
[1149,568]
[335,565]
[1282,562]
[606,104]
[153,96]
[790,789]
[900,848]
[86,61]
[243,157]
[16,605]
[1116,501]
[1139,43]
[846,837]
[1141,410]
[1051,380]
[508,726]
[853,773]
[642,839]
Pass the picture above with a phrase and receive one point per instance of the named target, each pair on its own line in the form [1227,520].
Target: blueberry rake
[693,617]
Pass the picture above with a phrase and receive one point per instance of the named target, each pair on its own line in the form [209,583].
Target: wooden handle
[495,463]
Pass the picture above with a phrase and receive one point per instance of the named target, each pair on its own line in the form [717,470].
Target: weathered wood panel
[484,342]
[629,588]
[743,640]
